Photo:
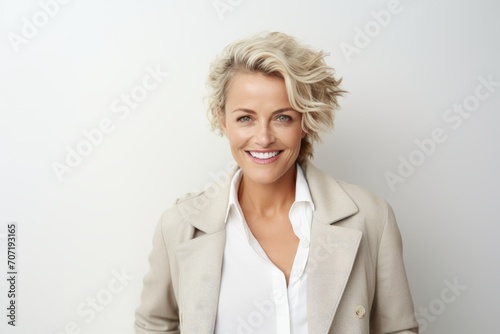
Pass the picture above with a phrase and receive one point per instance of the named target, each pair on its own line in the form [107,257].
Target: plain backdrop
[84,231]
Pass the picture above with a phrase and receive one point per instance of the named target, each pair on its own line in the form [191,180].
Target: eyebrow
[274,112]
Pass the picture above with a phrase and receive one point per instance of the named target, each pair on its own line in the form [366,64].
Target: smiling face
[263,130]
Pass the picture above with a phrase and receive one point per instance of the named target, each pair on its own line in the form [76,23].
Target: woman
[282,247]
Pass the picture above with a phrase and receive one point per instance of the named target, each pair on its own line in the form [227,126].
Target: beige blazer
[356,278]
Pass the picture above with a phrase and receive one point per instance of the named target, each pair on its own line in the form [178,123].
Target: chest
[277,239]
[253,285]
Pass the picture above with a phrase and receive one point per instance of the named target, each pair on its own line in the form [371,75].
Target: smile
[264,155]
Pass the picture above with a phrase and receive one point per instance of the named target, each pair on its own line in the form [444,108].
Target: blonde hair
[310,83]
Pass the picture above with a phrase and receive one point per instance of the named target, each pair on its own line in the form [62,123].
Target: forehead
[248,87]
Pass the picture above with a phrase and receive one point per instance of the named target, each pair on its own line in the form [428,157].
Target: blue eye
[244,119]
[284,118]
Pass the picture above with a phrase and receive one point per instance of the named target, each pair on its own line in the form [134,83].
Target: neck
[268,199]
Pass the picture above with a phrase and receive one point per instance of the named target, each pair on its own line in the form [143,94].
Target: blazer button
[360,311]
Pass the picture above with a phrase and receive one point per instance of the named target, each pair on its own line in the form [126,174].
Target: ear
[302,126]
[304,131]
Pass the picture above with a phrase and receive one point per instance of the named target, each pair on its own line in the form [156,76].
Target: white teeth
[264,155]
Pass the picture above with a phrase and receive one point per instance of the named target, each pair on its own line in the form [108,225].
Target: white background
[74,235]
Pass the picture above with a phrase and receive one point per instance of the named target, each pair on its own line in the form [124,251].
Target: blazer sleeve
[158,310]
[392,310]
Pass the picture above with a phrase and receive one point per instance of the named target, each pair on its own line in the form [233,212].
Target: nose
[264,135]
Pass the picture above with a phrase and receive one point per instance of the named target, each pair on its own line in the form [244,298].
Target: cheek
[294,138]
[236,137]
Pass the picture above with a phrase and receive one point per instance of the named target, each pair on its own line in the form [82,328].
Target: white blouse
[254,297]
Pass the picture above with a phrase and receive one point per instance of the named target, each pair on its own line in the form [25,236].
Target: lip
[264,161]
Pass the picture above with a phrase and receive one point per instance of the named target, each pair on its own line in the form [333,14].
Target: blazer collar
[207,211]
[331,201]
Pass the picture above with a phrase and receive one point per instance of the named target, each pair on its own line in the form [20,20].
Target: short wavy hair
[311,86]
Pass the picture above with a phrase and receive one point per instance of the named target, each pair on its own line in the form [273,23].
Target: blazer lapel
[200,263]
[200,259]
[333,249]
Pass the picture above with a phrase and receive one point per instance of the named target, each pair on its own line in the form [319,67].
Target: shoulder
[375,218]
[174,223]
[318,178]
[364,198]
[204,210]
[369,212]
[338,194]
[183,207]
